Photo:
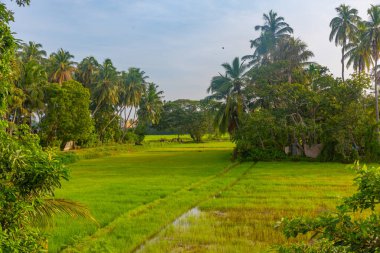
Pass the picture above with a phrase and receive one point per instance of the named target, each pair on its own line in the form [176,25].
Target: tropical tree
[227,89]
[359,52]
[133,86]
[151,104]
[343,28]
[32,51]
[273,30]
[61,66]
[67,116]
[294,53]
[105,93]
[87,71]
[32,79]
[373,33]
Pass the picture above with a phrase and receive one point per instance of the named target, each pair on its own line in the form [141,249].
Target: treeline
[276,103]
[83,103]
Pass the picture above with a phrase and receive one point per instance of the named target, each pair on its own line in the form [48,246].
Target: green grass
[136,193]
[113,186]
[243,217]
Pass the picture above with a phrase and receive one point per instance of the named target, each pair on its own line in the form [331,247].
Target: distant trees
[112,99]
[186,117]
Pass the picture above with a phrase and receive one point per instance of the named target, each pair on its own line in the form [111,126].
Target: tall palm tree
[133,83]
[359,53]
[32,79]
[32,51]
[106,90]
[294,52]
[227,90]
[373,26]
[87,71]
[343,28]
[61,66]
[151,104]
[273,30]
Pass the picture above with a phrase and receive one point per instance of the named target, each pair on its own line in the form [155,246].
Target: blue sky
[178,43]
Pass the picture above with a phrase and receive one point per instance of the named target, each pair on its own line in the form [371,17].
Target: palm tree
[227,90]
[32,51]
[373,33]
[359,52]
[32,79]
[106,90]
[343,27]
[133,83]
[61,66]
[151,104]
[87,71]
[294,52]
[273,30]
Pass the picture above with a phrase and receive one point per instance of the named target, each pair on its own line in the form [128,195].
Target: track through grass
[136,194]
[112,186]
[242,218]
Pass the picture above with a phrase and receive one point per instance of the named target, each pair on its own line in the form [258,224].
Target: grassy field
[137,193]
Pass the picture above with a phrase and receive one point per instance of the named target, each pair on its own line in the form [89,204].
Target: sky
[180,44]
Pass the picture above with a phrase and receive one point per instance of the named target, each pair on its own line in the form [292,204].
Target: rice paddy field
[189,197]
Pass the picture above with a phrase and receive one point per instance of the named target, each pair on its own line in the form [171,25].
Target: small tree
[67,116]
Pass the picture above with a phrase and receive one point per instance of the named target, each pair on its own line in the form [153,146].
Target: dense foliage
[85,102]
[67,114]
[28,174]
[277,103]
[186,117]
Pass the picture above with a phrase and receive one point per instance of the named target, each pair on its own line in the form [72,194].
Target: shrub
[346,229]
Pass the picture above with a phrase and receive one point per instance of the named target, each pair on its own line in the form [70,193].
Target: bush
[67,157]
[346,229]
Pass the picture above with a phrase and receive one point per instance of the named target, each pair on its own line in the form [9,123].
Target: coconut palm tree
[294,52]
[106,90]
[373,33]
[151,104]
[359,52]
[273,30]
[87,71]
[343,28]
[61,66]
[227,90]
[32,51]
[133,83]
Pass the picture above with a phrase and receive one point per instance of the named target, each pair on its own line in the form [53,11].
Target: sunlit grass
[242,218]
[136,192]
[131,178]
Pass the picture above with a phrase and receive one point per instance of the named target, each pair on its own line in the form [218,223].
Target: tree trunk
[376,97]
[343,48]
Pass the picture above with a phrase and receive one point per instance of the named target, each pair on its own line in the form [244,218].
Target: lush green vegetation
[277,102]
[274,103]
[135,194]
